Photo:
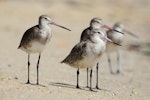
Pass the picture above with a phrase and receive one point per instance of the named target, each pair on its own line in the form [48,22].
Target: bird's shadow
[105,90]
[66,85]
[41,85]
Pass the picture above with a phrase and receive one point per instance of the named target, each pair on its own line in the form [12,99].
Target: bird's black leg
[109,62]
[28,82]
[38,69]
[77,78]
[97,66]
[91,80]
[87,78]
[118,62]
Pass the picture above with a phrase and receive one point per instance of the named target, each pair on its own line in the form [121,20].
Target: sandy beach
[58,81]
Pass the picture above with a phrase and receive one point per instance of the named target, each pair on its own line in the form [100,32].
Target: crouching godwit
[36,38]
[89,50]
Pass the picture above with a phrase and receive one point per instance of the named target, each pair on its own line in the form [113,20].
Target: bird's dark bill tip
[67,28]
[117,44]
[118,31]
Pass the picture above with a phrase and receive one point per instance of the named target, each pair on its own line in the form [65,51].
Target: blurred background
[16,16]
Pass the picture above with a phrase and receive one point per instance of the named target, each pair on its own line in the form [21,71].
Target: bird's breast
[45,36]
[98,47]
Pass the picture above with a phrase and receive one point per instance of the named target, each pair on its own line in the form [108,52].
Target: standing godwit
[88,51]
[36,38]
[117,38]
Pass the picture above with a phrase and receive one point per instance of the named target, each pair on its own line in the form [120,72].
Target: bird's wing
[76,53]
[29,35]
[85,34]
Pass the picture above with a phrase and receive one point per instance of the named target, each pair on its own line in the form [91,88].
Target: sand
[58,81]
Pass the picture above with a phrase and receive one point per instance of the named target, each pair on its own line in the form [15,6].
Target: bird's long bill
[111,41]
[130,33]
[107,27]
[53,23]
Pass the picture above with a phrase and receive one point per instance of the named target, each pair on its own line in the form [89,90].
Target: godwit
[88,51]
[117,38]
[36,38]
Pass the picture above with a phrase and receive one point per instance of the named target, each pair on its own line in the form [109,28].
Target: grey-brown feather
[85,34]
[76,54]
[32,34]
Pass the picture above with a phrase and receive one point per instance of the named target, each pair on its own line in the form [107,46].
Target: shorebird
[117,38]
[89,50]
[36,38]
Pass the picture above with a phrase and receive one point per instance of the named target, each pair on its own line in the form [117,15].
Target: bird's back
[85,34]
[28,36]
[76,54]
[34,39]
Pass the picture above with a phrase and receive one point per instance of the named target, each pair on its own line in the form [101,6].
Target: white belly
[87,62]
[35,47]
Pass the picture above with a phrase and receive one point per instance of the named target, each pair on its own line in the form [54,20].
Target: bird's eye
[99,32]
[45,18]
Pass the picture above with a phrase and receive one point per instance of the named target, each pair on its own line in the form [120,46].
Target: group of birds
[94,41]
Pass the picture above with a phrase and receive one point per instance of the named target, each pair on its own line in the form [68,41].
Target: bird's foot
[119,72]
[97,87]
[37,83]
[28,82]
[87,86]
[90,89]
[77,87]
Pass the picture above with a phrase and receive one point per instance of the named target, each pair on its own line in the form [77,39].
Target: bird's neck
[43,25]
[94,27]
